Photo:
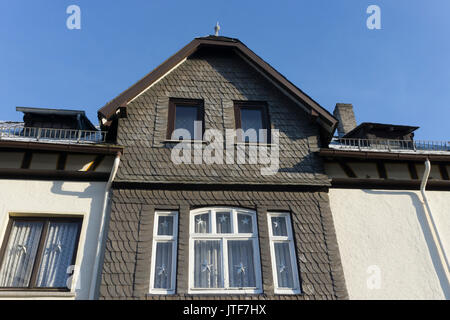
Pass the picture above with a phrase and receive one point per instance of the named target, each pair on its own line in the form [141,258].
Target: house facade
[389,197]
[188,229]
[215,177]
[54,172]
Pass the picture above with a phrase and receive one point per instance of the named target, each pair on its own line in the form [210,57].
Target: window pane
[241,264]
[207,264]
[165,225]
[223,222]
[279,226]
[244,223]
[252,119]
[20,254]
[185,116]
[163,265]
[283,265]
[202,223]
[57,255]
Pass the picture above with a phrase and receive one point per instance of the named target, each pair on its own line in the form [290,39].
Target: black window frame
[173,103]
[39,254]
[253,105]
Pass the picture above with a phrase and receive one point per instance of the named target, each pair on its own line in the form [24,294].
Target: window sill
[224,292]
[37,294]
[287,292]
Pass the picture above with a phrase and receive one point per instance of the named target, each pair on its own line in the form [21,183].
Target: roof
[62,112]
[312,107]
[404,130]
[58,112]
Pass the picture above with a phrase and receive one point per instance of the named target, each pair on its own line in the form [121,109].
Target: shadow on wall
[88,192]
[432,249]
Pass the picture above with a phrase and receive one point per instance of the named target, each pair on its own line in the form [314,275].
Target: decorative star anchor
[207,266]
[162,270]
[165,224]
[21,248]
[245,220]
[222,219]
[282,268]
[58,247]
[241,268]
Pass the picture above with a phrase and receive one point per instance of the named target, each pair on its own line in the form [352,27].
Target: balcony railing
[52,135]
[390,145]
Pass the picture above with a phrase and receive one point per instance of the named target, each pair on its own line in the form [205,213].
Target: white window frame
[161,239]
[283,239]
[224,238]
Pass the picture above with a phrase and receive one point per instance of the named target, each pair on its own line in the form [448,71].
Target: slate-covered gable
[218,79]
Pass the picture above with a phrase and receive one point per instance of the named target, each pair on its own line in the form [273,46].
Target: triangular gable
[324,118]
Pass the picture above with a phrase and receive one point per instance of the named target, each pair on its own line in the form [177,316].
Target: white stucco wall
[383,235]
[57,198]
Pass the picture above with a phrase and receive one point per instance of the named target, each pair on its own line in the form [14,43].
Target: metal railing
[390,145]
[52,134]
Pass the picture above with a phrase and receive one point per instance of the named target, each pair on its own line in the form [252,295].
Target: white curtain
[20,254]
[202,223]
[163,272]
[244,223]
[223,222]
[283,265]
[57,256]
[165,225]
[241,264]
[279,226]
[207,265]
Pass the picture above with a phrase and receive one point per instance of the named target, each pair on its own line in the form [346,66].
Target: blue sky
[399,74]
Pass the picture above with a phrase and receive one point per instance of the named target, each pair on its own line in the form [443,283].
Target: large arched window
[224,251]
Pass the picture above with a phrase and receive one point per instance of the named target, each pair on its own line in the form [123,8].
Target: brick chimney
[344,113]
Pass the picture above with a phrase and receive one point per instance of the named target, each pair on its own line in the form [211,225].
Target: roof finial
[216,29]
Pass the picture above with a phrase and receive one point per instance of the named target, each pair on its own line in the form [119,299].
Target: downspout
[431,224]
[98,254]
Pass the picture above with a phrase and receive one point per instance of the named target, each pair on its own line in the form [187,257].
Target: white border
[283,239]
[8,215]
[174,240]
[223,238]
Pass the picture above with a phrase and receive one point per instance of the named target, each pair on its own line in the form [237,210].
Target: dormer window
[186,114]
[253,119]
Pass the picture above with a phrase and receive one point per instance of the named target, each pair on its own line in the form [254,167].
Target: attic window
[253,119]
[185,119]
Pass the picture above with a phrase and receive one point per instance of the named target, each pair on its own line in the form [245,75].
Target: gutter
[101,235]
[432,226]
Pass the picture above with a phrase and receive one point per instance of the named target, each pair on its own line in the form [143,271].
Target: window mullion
[226,279]
[212,221]
[38,257]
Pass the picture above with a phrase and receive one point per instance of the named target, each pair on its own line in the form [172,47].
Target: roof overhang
[323,117]
[400,129]
[105,149]
[372,155]
[57,112]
